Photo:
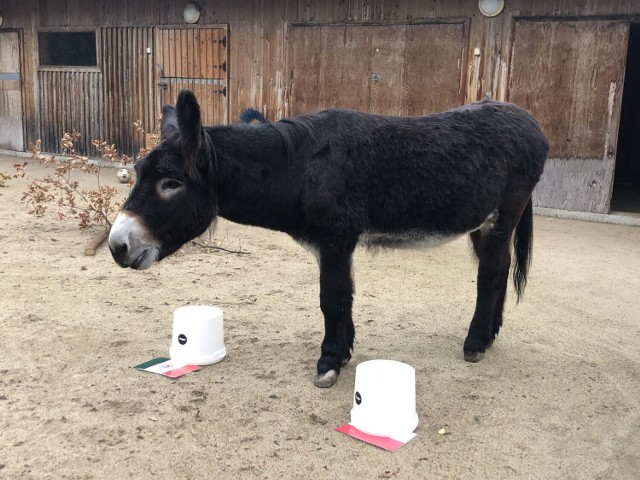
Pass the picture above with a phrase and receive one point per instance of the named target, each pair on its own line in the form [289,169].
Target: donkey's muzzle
[139,259]
[131,244]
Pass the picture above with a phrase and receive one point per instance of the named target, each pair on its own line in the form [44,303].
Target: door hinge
[222,41]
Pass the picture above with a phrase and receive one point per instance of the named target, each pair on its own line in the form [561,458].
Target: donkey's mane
[300,136]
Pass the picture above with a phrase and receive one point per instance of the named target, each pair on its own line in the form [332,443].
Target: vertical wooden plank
[224,114]
[50,127]
[189,66]
[133,73]
[212,38]
[305,58]
[147,89]
[82,119]
[116,87]
[88,111]
[47,128]
[57,118]
[386,57]
[198,67]
[439,67]
[11,113]
[125,89]
[169,53]
[46,120]
[166,67]
[172,49]
[215,99]
[42,107]
[106,71]
[183,54]
[137,57]
[152,81]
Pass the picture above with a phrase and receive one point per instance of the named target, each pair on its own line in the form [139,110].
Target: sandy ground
[556,397]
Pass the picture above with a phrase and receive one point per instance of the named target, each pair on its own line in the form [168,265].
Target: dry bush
[60,192]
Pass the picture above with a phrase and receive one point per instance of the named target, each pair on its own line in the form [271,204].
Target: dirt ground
[556,397]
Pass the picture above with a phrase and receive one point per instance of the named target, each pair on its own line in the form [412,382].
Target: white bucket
[198,335]
[384,401]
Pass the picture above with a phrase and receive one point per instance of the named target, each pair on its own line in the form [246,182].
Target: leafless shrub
[60,191]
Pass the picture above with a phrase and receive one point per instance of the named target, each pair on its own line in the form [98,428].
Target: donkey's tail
[252,115]
[523,244]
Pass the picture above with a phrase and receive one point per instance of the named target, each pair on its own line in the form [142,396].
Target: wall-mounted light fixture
[1,15]
[490,8]
[191,12]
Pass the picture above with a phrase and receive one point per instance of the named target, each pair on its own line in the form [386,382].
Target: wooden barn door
[570,75]
[195,59]
[387,69]
[129,85]
[11,134]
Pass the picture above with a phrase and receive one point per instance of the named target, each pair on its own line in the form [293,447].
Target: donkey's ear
[169,122]
[192,136]
[188,117]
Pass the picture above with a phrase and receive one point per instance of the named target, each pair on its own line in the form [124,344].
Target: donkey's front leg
[336,299]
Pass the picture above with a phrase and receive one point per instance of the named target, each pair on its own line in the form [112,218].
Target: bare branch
[216,247]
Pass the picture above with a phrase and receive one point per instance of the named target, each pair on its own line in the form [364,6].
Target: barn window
[69,49]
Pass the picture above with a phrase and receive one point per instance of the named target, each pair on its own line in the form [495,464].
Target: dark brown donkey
[337,178]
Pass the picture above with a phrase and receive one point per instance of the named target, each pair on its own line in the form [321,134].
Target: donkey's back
[396,178]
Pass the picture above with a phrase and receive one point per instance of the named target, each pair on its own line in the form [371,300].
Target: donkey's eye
[167,187]
[170,184]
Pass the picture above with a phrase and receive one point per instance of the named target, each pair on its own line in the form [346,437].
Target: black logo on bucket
[182,339]
[358,398]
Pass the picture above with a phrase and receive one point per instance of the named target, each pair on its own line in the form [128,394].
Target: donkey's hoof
[326,380]
[473,357]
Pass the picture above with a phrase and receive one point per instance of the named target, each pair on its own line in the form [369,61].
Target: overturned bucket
[198,335]
[384,401]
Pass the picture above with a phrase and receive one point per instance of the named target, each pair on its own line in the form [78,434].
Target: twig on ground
[215,247]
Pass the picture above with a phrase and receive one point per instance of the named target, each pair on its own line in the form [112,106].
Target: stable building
[574,64]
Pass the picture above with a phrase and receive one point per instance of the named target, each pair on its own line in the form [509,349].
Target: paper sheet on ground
[164,366]
[387,443]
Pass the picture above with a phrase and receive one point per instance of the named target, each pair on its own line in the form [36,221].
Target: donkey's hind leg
[336,299]
[492,249]
[497,314]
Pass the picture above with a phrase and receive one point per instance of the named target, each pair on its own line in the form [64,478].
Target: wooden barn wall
[377,68]
[103,103]
[260,59]
[571,73]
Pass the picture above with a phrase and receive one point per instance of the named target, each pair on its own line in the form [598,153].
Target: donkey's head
[173,200]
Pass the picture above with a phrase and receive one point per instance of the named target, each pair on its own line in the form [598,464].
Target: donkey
[337,178]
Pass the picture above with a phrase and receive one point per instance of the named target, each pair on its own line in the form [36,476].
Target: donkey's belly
[406,239]
[417,238]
